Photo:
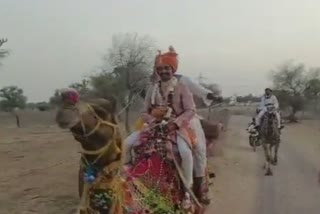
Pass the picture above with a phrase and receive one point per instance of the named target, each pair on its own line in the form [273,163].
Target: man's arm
[262,103]
[275,102]
[188,106]
[197,89]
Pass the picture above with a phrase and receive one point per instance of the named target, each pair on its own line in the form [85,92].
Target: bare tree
[131,58]
[293,84]
[3,52]
[290,77]
[82,87]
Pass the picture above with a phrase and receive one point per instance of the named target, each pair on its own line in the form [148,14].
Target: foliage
[43,106]
[11,98]
[82,87]
[248,98]
[3,52]
[55,99]
[293,84]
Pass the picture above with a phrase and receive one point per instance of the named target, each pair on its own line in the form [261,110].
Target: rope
[130,102]
[211,107]
[85,203]
[179,169]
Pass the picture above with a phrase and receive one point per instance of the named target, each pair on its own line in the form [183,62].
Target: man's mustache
[165,74]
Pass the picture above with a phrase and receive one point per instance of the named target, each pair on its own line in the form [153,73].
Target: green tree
[55,100]
[82,87]
[248,98]
[12,98]
[43,106]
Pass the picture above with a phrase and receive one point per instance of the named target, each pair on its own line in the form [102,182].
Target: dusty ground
[241,187]
[39,166]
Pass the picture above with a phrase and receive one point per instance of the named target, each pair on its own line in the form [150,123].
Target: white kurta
[272,100]
[196,89]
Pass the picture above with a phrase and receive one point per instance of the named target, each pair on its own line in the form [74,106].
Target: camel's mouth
[65,125]
[67,118]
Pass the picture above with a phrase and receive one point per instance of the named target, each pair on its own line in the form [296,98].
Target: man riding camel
[268,99]
[166,64]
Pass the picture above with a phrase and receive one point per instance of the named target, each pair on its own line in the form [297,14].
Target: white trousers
[262,112]
[200,149]
[186,160]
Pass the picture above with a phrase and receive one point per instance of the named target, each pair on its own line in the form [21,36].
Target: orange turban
[169,58]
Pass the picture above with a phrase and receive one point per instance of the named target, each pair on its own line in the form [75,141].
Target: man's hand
[159,112]
[172,126]
[217,99]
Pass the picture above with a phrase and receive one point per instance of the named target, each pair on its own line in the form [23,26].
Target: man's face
[165,72]
[268,92]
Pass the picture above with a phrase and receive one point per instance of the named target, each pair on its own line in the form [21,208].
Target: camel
[104,185]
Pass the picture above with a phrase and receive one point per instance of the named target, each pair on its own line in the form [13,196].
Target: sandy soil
[39,168]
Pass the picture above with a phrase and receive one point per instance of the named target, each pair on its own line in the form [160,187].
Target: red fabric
[157,173]
[155,168]
[73,97]
[169,58]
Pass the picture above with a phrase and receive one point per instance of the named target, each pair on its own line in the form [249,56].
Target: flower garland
[156,93]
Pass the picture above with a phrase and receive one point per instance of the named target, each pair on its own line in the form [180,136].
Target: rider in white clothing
[268,99]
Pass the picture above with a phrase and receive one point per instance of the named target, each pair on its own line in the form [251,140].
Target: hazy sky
[231,42]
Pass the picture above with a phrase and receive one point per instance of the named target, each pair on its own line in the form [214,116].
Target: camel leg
[267,152]
[272,154]
[275,158]
[80,181]
[265,149]
[269,171]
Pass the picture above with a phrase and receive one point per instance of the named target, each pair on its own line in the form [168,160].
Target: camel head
[72,111]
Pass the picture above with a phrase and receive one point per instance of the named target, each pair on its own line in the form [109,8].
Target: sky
[230,42]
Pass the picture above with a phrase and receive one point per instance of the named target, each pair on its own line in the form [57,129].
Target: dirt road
[242,188]
[39,169]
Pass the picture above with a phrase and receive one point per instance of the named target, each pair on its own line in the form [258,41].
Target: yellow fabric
[139,124]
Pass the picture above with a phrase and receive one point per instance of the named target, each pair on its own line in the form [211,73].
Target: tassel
[171,49]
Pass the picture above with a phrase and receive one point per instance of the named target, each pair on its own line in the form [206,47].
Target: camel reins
[86,134]
[109,168]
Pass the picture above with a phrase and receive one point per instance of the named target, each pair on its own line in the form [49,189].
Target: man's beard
[165,77]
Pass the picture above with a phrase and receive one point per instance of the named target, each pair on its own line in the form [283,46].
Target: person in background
[268,99]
